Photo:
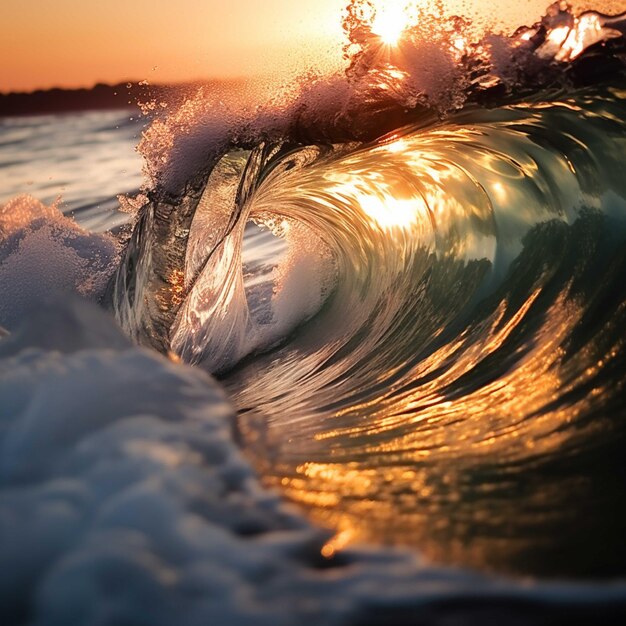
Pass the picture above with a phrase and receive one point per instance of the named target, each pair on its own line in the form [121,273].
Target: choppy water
[409,285]
[87,159]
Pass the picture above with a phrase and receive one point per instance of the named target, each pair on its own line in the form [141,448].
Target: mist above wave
[439,65]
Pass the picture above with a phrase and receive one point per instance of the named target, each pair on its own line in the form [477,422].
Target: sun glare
[389,23]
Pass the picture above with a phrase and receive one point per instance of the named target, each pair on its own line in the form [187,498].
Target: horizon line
[124,84]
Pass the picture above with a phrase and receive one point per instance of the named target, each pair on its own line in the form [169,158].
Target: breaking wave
[408,278]
[429,353]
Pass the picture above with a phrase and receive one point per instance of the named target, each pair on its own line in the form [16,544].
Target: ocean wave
[434,282]
[408,279]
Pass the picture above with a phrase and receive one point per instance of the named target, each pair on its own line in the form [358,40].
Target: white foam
[43,253]
[302,282]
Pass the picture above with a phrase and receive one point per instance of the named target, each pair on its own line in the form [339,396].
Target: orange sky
[45,43]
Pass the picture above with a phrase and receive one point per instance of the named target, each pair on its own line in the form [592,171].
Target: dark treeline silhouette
[125,95]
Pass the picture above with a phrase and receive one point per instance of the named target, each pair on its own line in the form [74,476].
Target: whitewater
[353,355]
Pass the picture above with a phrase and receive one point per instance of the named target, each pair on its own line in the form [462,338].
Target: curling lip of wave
[183,150]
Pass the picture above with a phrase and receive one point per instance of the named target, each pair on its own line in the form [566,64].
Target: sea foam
[44,253]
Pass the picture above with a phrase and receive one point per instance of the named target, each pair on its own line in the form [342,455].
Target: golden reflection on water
[462,450]
[409,471]
[384,206]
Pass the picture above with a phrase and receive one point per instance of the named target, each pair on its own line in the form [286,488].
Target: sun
[389,23]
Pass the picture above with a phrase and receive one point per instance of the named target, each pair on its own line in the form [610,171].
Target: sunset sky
[74,43]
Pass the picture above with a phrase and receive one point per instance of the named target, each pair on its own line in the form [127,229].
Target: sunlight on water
[407,280]
[379,199]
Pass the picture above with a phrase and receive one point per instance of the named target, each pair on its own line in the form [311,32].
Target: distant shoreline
[120,96]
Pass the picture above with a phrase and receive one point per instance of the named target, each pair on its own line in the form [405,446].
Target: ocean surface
[351,357]
[85,159]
